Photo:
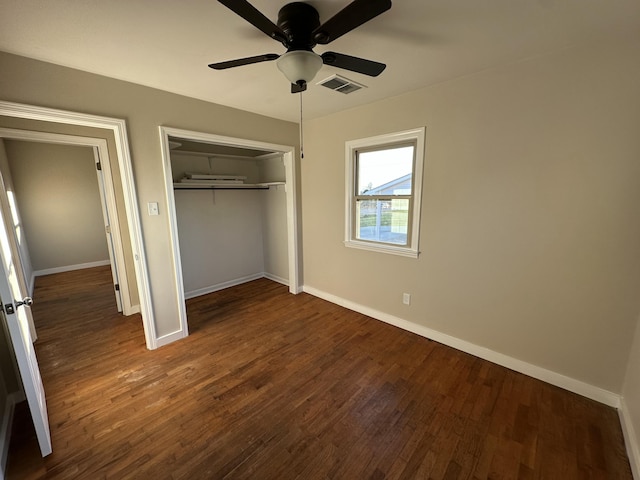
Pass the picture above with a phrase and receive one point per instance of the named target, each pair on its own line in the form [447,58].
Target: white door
[17,316]
[107,230]
[15,229]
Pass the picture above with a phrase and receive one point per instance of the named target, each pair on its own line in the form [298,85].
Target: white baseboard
[233,283]
[69,268]
[630,439]
[222,286]
[590,391]
[276,278]
[5,431]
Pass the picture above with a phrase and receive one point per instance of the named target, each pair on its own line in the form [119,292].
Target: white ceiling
[168,45]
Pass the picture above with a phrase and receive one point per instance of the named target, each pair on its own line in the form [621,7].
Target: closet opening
[232,209]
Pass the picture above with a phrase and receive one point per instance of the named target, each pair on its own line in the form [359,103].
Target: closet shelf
[238,186]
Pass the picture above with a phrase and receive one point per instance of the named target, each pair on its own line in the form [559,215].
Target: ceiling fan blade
[355,64]
[267,57]
[350,17]
[252,15]
[295,88]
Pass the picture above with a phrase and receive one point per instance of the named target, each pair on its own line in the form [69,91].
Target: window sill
[376,247]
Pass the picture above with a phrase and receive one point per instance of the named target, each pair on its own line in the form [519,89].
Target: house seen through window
[384,181]
[384,191]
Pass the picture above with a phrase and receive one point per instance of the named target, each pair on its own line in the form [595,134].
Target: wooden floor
[275,386]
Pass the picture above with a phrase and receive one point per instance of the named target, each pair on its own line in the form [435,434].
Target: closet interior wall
[231,236]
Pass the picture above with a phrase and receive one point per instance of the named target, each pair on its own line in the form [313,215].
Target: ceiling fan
[298,28]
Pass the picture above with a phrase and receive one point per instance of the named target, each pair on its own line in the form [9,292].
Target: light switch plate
[153,208]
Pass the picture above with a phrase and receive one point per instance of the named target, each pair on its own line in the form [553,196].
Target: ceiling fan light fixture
[299,65]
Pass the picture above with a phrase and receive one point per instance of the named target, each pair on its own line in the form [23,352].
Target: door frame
[288,154]
[99,149]
[108,219]
[119,131]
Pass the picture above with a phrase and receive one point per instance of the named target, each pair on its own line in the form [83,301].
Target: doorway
[114,130]
[227,170]
[73,226]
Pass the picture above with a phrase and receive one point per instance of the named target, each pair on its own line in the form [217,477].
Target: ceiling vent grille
[341,84]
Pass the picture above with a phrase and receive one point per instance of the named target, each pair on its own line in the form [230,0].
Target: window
[384,182]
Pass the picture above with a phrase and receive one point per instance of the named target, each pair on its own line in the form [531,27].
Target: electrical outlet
[406,298]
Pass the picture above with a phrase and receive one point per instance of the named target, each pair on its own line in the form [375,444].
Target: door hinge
[117,287]
[98,166]
[108,228]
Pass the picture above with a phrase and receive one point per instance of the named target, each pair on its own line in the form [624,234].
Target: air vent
[341,84]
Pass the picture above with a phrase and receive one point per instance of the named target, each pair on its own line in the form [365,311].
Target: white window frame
[415,136]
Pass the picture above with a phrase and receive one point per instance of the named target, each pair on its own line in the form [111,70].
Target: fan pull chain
[301,135]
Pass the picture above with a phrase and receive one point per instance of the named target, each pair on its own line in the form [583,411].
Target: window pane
[385,172]
[382,220]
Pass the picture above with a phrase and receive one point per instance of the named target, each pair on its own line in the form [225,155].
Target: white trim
[5,431]
[170,207]
[292,221]
[114,249]
[70,268]
[221,286]
[232,283]
[169,338]
[630,439]
[416,135]
[290,182]
[590,391]
[377,247]
[276,278]
[118,127]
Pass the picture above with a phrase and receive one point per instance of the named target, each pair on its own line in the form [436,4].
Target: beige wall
[631,396]
[530,235]
[37,83]
[274,219]
[57,192]
[274,232]
[220,236]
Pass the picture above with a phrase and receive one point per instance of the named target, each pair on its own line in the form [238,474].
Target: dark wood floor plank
[275,386]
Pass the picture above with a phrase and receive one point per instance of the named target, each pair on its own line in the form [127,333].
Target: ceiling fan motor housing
[298,20]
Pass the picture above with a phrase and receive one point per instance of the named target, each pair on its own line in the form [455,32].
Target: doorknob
[9,308]
[27,301]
